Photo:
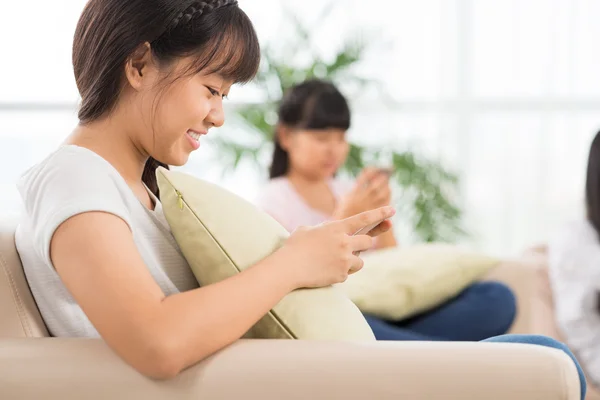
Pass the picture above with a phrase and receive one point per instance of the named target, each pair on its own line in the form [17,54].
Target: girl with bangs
[310,146]
[96,248]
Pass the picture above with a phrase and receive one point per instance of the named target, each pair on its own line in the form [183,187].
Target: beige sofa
[34,366]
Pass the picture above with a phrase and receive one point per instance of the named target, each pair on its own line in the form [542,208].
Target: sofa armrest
[57,369]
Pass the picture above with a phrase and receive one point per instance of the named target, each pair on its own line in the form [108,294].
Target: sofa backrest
[19,315]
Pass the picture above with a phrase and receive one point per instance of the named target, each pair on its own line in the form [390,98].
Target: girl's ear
[283,136]
[138,67]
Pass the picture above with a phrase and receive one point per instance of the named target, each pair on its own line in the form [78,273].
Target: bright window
[507,92]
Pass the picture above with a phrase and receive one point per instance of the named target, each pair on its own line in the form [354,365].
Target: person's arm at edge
[160,336]
[156,341]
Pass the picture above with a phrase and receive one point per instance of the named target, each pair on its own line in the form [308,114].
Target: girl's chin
[178,160]
[330,171]
[181,160]
[327,174]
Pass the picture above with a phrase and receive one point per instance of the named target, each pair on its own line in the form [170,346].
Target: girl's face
[315,154]
[174,118]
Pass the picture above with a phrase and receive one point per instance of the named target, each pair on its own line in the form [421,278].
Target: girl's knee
[496,292]
[539,340]
[500,304]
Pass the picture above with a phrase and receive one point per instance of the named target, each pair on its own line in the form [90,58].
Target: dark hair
[313,104]
[592,185]
[216,32]
[592,192]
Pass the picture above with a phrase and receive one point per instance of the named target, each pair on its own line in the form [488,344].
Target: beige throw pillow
[221,235]
[400,282]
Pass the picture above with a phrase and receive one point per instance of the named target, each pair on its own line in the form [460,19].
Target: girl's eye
[214,92]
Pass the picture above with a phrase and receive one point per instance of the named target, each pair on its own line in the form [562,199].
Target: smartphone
[385,171]
[364,231]
[368,228]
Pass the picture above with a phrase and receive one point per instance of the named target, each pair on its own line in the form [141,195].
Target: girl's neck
[305,181]
[316,193]
[112,141]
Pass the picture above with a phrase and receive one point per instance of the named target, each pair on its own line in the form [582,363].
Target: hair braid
[197,9]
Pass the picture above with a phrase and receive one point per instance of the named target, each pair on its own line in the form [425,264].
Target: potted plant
[428,202]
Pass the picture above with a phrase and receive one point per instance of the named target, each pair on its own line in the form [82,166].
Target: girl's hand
[327,254]
[372,190]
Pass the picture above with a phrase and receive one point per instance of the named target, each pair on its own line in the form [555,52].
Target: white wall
[507,92]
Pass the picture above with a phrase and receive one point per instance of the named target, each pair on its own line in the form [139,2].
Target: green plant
[428,190]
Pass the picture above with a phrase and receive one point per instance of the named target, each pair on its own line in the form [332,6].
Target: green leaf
[350,55]
[354,162]
[428,189]
[256,116]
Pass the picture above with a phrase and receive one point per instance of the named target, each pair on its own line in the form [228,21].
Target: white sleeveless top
[74,180]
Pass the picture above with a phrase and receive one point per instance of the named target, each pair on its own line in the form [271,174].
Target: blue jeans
[483,310]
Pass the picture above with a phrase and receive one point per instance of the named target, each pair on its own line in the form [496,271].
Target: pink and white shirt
[280,199]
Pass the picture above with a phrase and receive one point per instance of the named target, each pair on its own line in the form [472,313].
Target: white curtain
[507,93]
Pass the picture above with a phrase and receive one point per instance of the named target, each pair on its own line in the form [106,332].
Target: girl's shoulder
[68,173]
[574,251]
[573,235]
[276,189]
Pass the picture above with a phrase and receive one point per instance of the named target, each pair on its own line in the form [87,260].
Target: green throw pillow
[221,234]
[400,282]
